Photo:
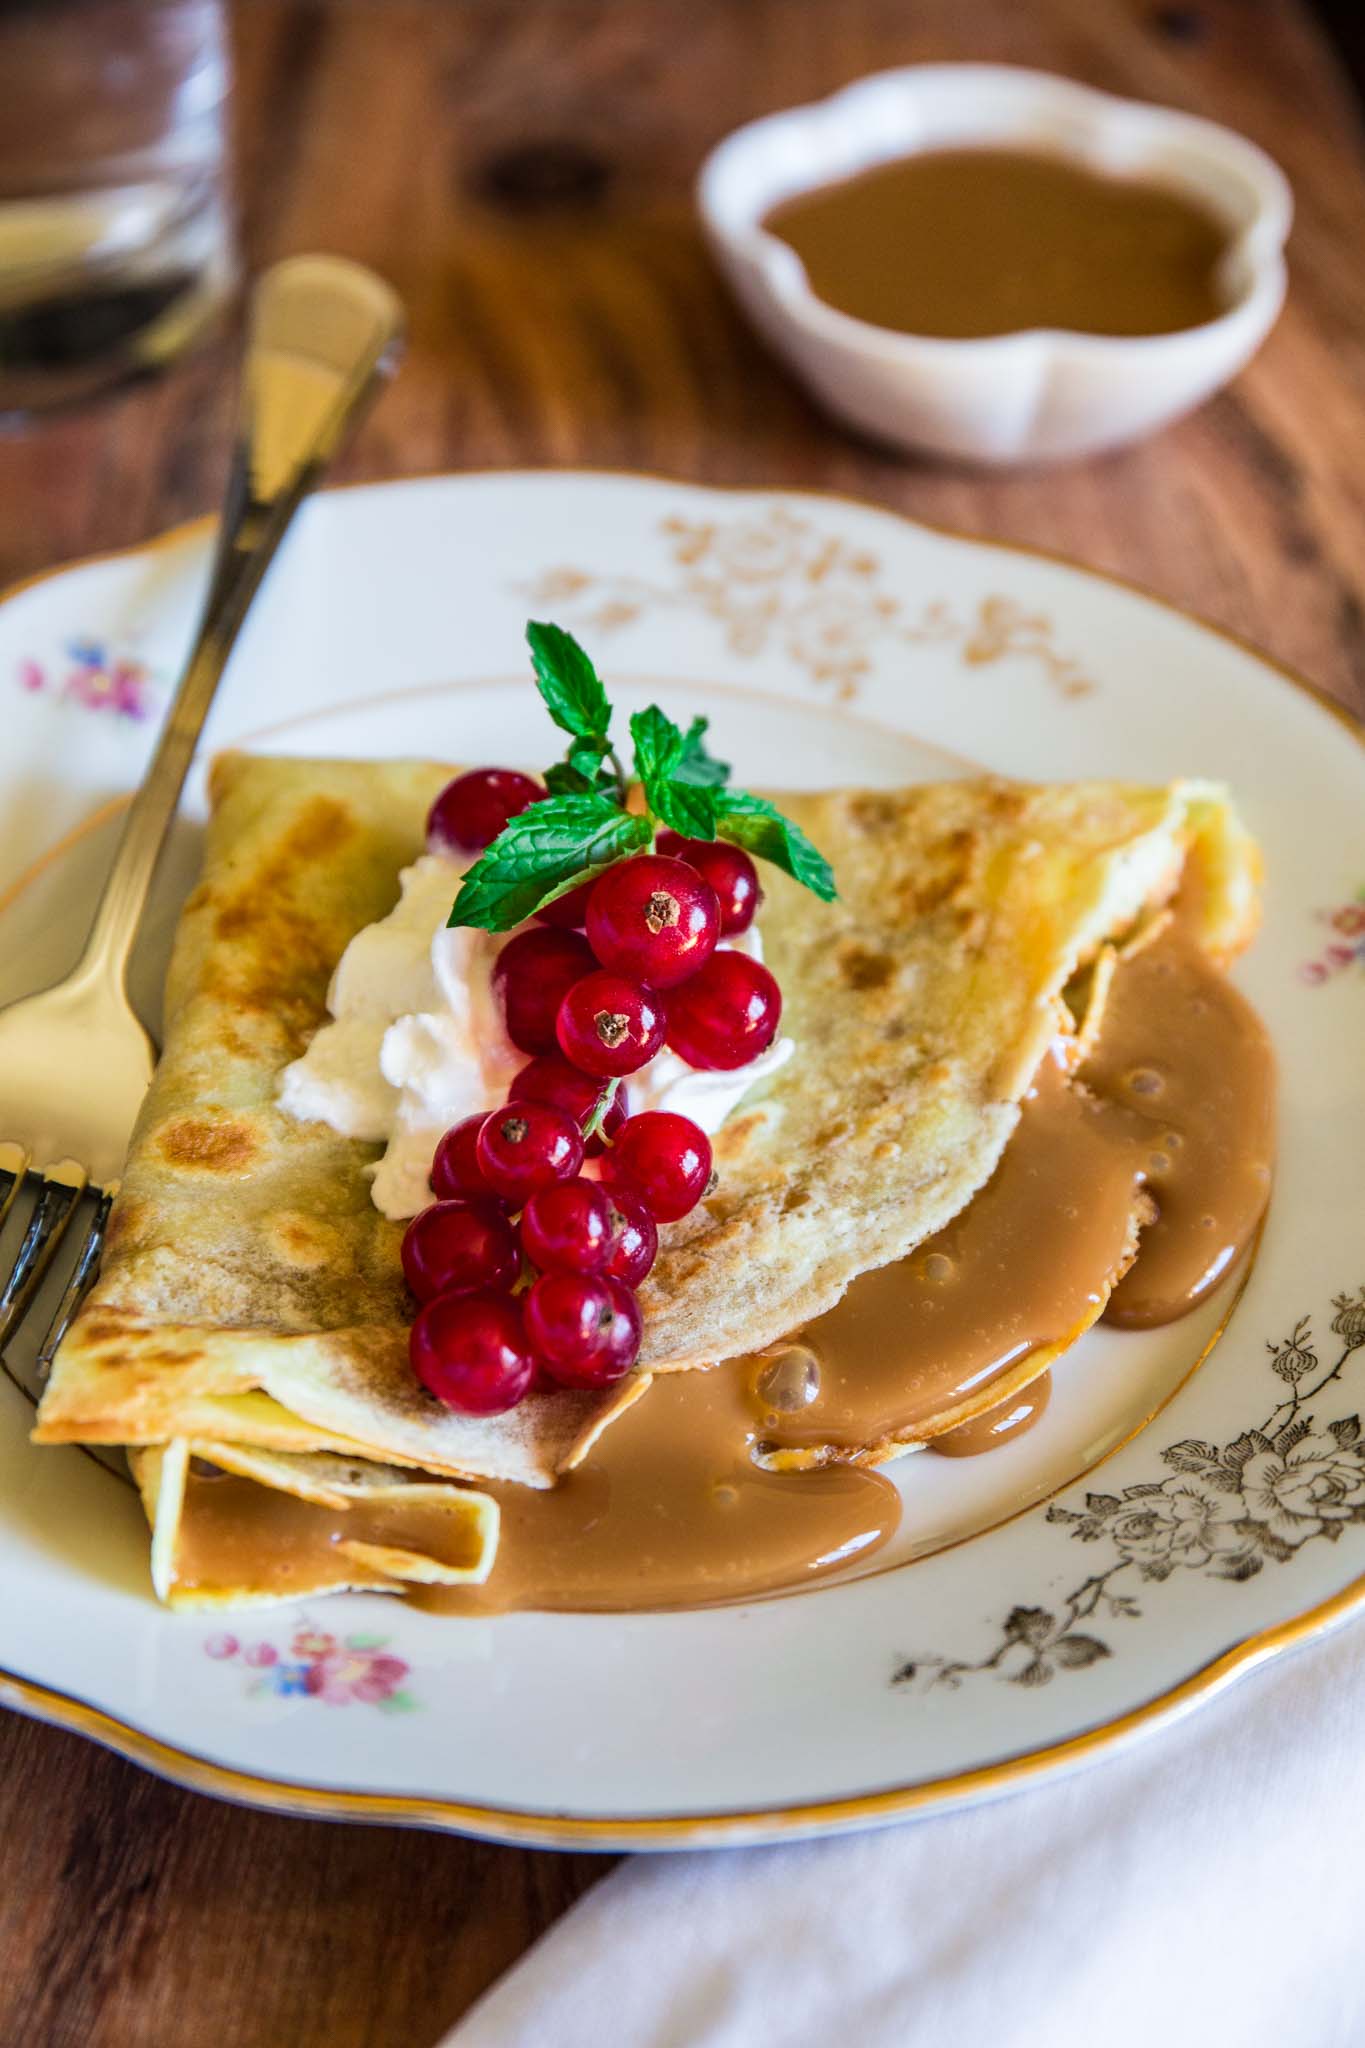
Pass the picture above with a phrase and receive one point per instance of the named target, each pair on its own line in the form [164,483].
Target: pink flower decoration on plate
[97,679]
[1346,946]
[339,1671]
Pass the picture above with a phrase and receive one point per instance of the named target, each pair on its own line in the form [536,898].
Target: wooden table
[521,169]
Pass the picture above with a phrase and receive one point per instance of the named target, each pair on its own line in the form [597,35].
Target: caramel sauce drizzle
[1014,1417]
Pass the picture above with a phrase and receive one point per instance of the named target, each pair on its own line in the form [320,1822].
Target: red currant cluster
[590,1006]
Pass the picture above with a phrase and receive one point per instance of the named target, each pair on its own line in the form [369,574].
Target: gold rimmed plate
[1161,1529]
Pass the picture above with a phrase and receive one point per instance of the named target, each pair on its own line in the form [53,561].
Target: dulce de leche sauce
[669,1510]
[1161,1144]
[965,243]
[1014,1417]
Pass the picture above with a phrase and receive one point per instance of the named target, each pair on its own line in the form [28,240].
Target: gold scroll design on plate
[776,577]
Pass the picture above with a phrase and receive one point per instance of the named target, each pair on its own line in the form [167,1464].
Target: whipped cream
[417,1041]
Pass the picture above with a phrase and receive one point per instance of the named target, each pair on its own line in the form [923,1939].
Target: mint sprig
[583,826]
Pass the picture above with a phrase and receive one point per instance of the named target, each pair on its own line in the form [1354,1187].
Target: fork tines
[83,1275]
[59,1190]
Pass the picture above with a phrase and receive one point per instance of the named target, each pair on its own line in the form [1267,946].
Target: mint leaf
[583,772]
[685,808]
[562,780]
[568,682]
[695,764]
[658,747]
[760,828]
[544,853]
[586,757]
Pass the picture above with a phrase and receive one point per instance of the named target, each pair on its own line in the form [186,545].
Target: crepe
[252,1294]
[238,1527]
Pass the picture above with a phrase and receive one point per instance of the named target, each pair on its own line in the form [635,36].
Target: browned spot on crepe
[863,970]
[209,1147]
[103,1328]
[306,1242]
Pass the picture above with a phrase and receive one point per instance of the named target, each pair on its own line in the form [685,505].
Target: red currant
[532,975]
[730,872]
[634,1241]
[552,1079]
[471,1352]
[654,919]
[455,1170]
[454,1247]
[569,911]
[608,1025]
[726,1015]
[666,1157]
[568,1227]
[471,811]
[586,1332]
[527,1146]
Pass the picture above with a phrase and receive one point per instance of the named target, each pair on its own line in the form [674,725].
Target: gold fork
[74,1060]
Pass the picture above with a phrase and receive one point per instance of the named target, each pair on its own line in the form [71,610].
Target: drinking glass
[115,251]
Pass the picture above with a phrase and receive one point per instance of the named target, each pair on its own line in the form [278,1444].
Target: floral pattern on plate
[1346,947]
[93,675]
[1286,1481]
[315,1664]
[778,580]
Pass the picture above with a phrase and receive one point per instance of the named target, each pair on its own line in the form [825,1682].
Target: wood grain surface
[521,170]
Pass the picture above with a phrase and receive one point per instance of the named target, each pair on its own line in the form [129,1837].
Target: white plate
[831,643]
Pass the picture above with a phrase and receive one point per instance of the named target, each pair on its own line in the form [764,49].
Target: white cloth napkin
[1205,1887]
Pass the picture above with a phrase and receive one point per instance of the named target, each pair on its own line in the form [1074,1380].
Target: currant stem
[601,1110]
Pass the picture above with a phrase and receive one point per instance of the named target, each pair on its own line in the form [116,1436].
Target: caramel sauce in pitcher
[965,243]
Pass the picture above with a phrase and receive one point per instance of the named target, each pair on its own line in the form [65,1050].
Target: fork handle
[324,335]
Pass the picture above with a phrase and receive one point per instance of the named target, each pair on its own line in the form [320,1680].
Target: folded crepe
[251,1294]
[237,1527]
